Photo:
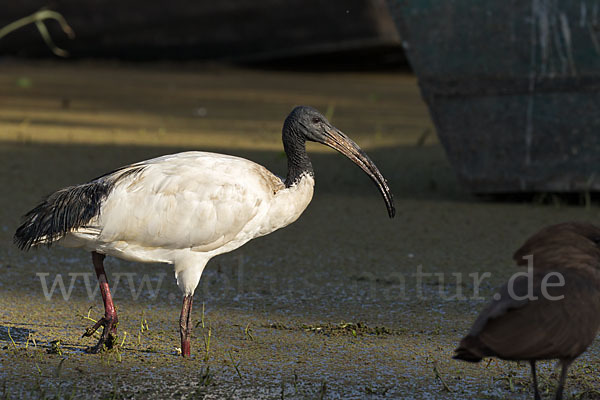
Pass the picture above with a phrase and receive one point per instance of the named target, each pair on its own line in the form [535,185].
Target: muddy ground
[329,307]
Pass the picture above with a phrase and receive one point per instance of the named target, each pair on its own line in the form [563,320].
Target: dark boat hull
[513,88]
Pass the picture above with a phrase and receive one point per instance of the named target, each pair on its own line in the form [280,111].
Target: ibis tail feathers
[66,210]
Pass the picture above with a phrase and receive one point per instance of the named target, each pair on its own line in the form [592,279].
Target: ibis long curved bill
[337,140]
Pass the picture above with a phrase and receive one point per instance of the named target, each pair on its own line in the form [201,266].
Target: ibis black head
[306,123]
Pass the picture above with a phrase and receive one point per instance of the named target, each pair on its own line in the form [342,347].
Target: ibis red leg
[185,325]
[109,321]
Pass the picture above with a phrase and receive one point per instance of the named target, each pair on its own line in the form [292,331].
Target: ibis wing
[189,200]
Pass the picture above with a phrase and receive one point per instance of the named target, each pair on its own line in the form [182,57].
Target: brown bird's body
[553,315]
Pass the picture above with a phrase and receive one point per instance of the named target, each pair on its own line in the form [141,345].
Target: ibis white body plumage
[186,208]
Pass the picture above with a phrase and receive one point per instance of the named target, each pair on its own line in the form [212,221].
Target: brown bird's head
[562,245]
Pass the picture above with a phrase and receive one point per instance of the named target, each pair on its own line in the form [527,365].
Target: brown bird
[552,313]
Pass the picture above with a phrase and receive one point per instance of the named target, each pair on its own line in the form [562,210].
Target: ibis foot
[108,337]
[109,321]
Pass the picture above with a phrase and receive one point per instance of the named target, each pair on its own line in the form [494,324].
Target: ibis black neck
[298,162]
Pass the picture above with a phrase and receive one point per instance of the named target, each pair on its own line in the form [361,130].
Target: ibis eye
[316,120]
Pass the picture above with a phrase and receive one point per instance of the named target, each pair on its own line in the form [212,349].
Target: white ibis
[184,209]
[556,315]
